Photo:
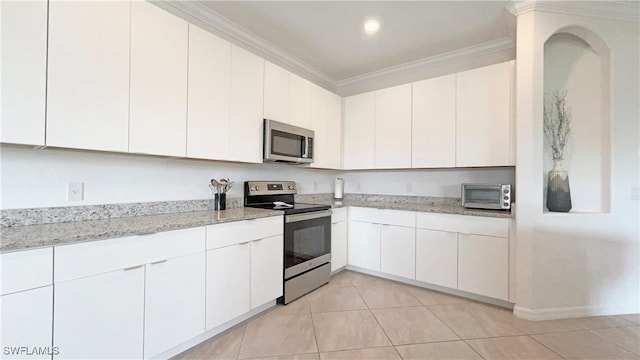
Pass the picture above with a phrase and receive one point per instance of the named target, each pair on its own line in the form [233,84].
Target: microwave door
[286,144]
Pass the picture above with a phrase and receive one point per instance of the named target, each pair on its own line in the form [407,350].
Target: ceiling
[328,36]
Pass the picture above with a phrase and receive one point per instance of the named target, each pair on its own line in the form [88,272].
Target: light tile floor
[357,316]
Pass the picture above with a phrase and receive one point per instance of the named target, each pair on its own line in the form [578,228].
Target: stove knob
[257,187]
[253,188]
[291,187]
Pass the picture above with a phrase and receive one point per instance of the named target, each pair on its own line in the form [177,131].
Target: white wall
[438,182]
[577,264]
[37,178]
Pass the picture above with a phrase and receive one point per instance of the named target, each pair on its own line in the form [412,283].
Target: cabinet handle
[159,262]
[133,267]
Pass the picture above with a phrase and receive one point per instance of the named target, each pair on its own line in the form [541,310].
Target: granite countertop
[32,236]
[424,206]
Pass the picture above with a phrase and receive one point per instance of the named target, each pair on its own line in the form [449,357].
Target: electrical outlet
[635,193]
[357,187]
[315,186]
[409,188]
[75,191]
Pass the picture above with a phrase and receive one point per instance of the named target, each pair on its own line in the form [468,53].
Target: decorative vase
[219,201]
[558,192]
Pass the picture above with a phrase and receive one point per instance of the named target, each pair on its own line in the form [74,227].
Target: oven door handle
[307,216]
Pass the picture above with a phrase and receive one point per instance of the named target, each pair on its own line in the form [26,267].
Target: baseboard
[570,312]
[213,332]
[456,292]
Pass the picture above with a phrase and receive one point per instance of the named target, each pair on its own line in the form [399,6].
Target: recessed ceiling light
[371,26]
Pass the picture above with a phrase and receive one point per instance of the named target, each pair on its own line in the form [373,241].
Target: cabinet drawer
[222,235]
[464,224]
[27,269]
[97,257]
[338,215]
[384,216]
[173,244]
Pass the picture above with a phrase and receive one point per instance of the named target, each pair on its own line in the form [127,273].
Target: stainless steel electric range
[307,235]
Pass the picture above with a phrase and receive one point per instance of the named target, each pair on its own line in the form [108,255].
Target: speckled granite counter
[408,203]
[32,236]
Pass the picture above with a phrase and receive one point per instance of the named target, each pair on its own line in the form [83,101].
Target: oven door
[307,242]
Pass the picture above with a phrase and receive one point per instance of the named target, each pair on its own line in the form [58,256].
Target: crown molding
[202,16]
[469,52]
[610,10]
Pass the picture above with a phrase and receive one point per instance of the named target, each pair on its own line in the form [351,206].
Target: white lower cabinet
[338,245]
[100,316]
[437,257]
[483,265]
[131,297]
[267,259]
[339,236]
[468,253]
[174,302]
[244,267]
[398,251]
[26,304]
[26,321]
[364,245]
[228,272]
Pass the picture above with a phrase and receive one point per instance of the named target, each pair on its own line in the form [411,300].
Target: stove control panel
[254,188]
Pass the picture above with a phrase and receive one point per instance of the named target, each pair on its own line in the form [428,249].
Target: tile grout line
[545,346]
[374,316]
[610,342]
[313,326]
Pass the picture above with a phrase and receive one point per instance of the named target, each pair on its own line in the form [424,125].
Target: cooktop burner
[298,208]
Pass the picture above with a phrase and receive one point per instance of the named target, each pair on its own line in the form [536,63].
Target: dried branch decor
[557,123]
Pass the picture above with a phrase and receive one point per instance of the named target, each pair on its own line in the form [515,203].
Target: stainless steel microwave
[287,143]
[486,196]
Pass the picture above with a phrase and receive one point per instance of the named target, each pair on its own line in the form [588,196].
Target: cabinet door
[26,321]
[320,126]
[437,257]
[24,71]
[338,245]
[277,93]
[88,78]
[300,102]
[333,143]
[245,113]
[483,129]
[228,284]
[398,251]
[174,302]
[158,104]
[267,261]
[434,123]
[483,265]
[364,245]
[100,316]
[393,127]
[208,95]
[359,131]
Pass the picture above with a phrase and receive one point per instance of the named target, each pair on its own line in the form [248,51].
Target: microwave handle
[305,146]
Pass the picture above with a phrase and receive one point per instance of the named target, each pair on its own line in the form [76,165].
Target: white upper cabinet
[359,131]
[245,113]
[158,105]
[88,79]
[483,131]
[326,122]
[277,93]
[300,102]
[208,95]
[24,67]
[393,127]
[434,123]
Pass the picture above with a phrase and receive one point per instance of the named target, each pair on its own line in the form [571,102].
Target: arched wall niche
[577,61]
